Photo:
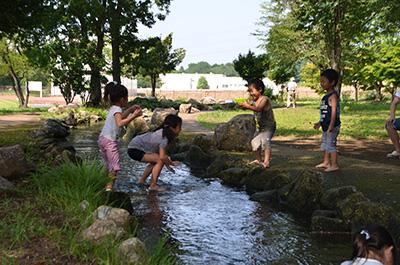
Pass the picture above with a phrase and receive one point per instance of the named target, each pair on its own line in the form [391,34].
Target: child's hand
[244,105]
[330,128]
[317,125]
[137,112]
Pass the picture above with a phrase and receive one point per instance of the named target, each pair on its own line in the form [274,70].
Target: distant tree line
[206,68]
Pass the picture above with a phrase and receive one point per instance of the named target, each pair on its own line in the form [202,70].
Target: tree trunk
[17,86]
[356,91]
[26,95]
[115,44]
[153,85]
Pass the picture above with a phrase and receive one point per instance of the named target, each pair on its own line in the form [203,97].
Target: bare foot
[254,162]
[141,181]
[331,169]
[157,188]
[264,165]
[322,166]
[109,186]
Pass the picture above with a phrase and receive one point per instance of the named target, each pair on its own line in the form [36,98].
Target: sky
[215,31]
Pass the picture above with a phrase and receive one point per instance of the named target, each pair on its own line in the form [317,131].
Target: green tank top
[265,119]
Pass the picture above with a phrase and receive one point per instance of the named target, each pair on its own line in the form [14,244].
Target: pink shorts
[109,151]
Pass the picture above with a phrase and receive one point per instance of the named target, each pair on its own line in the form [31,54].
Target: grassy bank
[41,220]
[359,120]
[11,106]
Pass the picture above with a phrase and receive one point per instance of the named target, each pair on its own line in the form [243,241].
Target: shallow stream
[212,223]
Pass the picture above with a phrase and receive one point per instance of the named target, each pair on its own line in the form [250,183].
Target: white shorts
[263,140]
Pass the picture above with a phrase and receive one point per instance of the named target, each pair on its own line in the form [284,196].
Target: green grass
[11,106]
[48,207]
[362,120]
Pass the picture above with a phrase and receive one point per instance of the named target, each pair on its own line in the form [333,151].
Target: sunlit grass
[359,120]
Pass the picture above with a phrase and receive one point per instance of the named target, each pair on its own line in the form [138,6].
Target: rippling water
[214,224]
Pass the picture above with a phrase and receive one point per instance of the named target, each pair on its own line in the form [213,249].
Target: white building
[130,84]
[183,81]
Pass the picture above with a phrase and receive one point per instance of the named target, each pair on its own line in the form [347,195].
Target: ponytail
[371,238]
[171,121]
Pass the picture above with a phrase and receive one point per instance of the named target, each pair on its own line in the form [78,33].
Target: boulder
[196,104]
[71,120]
[322,224]
[305,192]
[348,205]
[260,179]
[236,134]
[94,118]
[159,115]
[185,108]
[84,205]
[217,166]
[132,251]
[120,216]
[208,100]
[205,142]
[265,196]
[56,128]
[5,184]
[102,229]
[233,176]
[366,213]
[331,198]
[325,213]
[194,110]
[135,127]
[198,159]
[13,162]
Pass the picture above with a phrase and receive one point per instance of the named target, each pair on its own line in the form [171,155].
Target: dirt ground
[22,120]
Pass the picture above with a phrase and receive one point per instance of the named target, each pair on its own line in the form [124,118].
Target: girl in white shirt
[108,139]
[372,245]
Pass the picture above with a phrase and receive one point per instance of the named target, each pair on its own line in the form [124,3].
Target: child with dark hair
[151,148]
[329,120]
[372,245]
[265,122]
[108,139]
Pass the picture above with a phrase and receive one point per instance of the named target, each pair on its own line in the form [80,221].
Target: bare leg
[267,157]
[258,155]
[394,137]
[146,173]
[155,174]
[334,160]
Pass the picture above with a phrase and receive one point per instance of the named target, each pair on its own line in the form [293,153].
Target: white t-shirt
[362,261]
[110,129]
[397,94]
[292,86]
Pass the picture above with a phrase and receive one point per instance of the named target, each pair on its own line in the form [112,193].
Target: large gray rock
[322,224]
[236,134]
[5,184]
[305,192]
[56,128]
[233,176]
[135,127]
[102,229]
[185,108]
[205,142]
[208,100]
[348,206]
[13,162]
[265,196]
[260,179]
[198,159]
[159,115]
[217,166]
[331,198]
[71,120]
[132,251]
[121,217]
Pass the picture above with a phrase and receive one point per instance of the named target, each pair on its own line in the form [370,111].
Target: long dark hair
[113,92]
[170,121]
[372,238]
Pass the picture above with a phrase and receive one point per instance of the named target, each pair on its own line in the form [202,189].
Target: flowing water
[215,224]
